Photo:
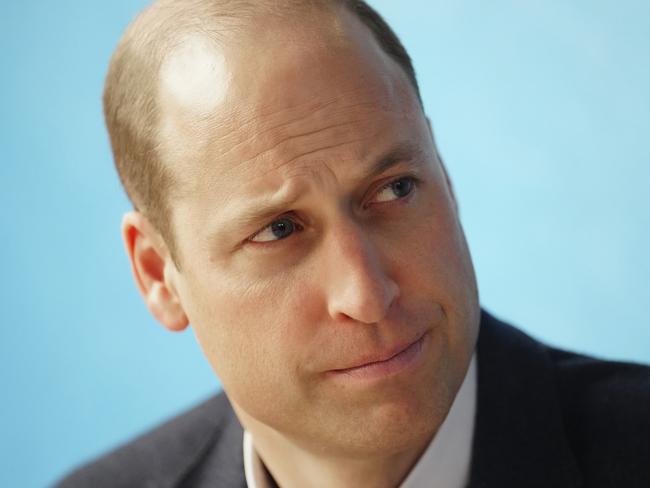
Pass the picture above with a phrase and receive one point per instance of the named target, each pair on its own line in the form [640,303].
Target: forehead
[276,102]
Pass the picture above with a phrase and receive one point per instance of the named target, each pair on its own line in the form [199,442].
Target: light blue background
[542,113]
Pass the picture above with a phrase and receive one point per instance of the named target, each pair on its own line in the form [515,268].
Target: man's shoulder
[165,455]
[584,382]
[605,386]
[600,407]
[606,406]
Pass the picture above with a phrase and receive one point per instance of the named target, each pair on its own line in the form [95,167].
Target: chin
[415,421]
[407,421]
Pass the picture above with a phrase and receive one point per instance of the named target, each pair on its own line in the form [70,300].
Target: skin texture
[298,118]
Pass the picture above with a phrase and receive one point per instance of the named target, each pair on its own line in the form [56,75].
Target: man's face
[317,232]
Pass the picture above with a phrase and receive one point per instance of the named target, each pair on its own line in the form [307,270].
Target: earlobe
[164,306]
[149,258]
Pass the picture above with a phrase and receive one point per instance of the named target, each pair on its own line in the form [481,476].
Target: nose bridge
[359,287]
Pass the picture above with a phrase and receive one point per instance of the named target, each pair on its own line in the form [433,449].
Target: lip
[386,363]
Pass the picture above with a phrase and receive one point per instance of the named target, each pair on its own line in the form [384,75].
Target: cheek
[428,249]
[435,266]
[255,337]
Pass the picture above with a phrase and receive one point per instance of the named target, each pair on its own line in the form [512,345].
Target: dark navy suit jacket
[545,418]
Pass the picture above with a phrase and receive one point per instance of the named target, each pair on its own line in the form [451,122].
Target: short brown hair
[130,91]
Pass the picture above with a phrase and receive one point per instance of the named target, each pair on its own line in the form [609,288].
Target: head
[309,223]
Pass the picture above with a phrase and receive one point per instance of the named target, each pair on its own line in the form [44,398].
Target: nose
[358,287]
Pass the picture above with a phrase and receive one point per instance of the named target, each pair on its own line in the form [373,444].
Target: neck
[293,466]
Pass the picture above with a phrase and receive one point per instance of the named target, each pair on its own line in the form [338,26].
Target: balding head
[151,62]
[316,229]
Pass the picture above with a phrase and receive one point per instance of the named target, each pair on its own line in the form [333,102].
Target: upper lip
[378,357]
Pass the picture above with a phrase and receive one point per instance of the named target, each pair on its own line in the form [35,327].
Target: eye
[396,189]
[277,230]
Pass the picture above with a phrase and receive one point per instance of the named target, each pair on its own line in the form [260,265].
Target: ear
[153,270]
[450,187]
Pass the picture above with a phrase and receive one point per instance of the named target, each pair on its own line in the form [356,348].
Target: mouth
[386,364]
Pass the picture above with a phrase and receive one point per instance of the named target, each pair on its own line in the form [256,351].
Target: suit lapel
[221,462]
[519,439]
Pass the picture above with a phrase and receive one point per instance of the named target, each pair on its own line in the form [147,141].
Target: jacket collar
[218,459]
[519,439]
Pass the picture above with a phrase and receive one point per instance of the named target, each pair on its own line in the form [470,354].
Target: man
[292,207]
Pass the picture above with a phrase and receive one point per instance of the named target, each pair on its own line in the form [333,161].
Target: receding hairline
[133,119]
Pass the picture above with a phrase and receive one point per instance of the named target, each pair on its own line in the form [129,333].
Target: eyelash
[413,180]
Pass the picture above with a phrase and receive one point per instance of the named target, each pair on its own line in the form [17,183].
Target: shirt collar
[444,464]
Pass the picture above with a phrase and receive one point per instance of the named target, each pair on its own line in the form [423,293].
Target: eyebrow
[398,154]
[264,209]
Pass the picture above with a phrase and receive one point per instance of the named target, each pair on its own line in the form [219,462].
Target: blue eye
[279,229]
[282,228]
[396,189]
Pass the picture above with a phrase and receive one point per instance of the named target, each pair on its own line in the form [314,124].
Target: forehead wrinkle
[267,106]
[211,142]
[270,131]
[285,151]
[264,163]
[294,146]
[305,154]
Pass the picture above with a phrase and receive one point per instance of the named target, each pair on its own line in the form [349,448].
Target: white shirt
[444,464]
